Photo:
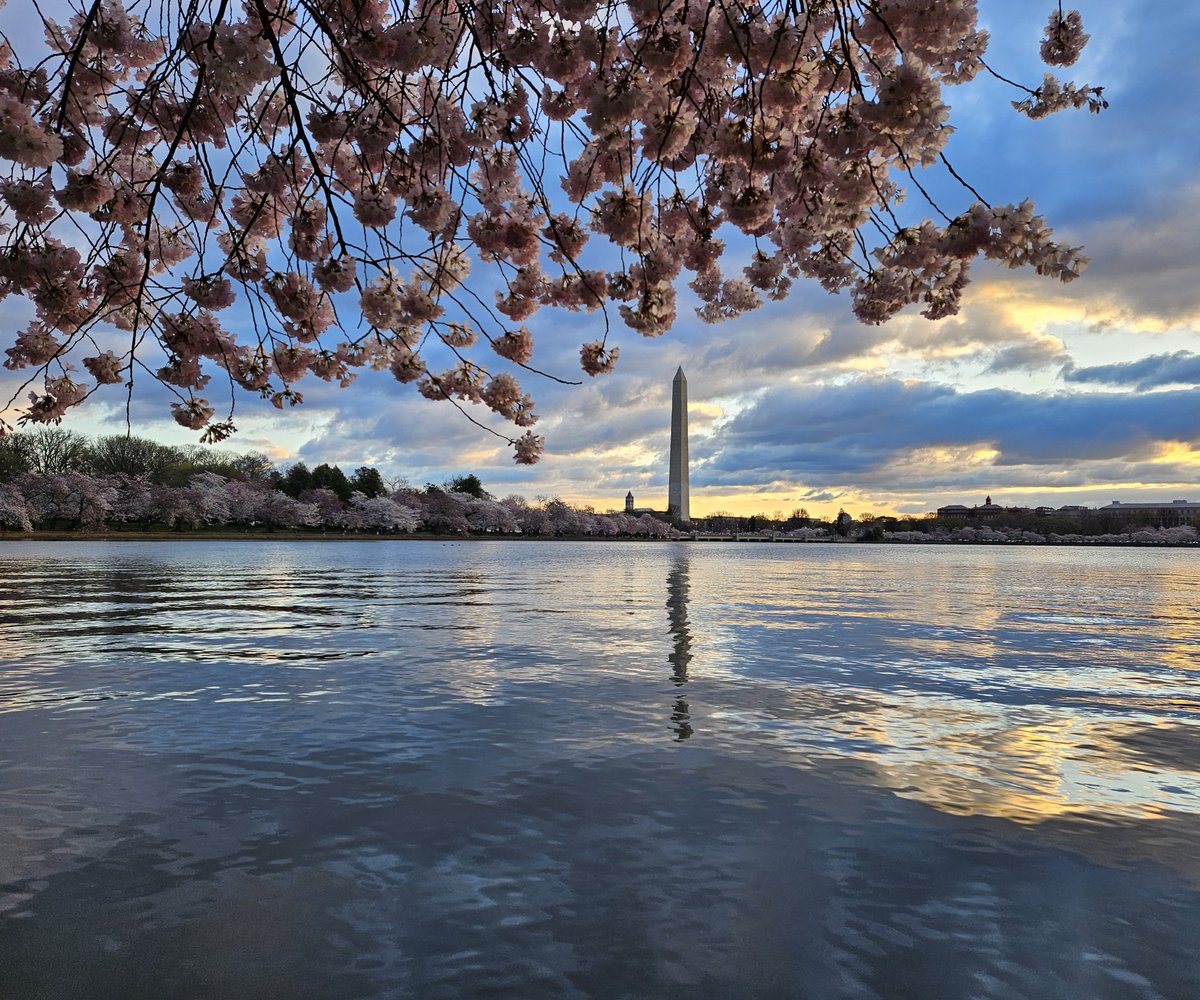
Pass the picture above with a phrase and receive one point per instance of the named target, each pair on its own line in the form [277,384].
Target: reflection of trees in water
[681,654]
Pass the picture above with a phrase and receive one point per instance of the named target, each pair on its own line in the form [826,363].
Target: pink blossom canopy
[272,189]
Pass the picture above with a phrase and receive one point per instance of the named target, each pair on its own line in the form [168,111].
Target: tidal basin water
[501,769]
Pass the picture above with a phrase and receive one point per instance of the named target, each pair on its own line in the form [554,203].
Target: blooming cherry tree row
[266,190]
[1181,534]
[76,501]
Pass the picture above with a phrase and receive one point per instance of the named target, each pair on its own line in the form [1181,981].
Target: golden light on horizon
[713,410]
[1035,307]
[1177,451]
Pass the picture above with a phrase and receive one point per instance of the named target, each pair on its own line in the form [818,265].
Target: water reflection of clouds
[978,682]
[959,691]
[463,753]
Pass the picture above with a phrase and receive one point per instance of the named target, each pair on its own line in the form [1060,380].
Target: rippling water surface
[422,769]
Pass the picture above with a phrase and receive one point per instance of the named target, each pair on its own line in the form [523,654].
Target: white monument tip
[679,373]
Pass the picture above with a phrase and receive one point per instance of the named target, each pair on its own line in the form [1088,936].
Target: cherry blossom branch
[163,176]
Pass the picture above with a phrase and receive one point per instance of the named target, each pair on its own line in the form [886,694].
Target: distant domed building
[985,510]
[988,509]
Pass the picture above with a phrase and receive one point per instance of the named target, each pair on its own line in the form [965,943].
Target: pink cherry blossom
[516,345]
[105,368]
[211,291]
[528,448]
[596,359]
[1065,38]
[335,274]
[193,413]
[344,165]
[28,200]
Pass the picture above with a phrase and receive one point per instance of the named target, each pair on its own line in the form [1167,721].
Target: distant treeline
[1181,534]
[1105,527]
[51,479]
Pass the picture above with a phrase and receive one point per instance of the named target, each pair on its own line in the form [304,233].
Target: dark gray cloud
[1144,261]
[1180,368]
[1031,355]
[820,496]
[1087,480]
[846,433]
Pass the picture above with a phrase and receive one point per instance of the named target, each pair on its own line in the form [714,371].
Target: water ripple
[598,770]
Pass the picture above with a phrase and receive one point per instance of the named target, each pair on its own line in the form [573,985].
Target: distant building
[982,511]
[1069,510]
[638,511]
[1168,515]
[1164,514]
[988,509]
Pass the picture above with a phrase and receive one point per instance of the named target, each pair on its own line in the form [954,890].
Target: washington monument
[678,498]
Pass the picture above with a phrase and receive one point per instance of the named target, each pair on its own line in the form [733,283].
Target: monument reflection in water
[598,770]
[681,652]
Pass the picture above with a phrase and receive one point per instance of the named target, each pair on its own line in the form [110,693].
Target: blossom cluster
[334,170]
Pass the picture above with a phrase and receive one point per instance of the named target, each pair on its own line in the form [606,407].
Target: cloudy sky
[1037,393]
